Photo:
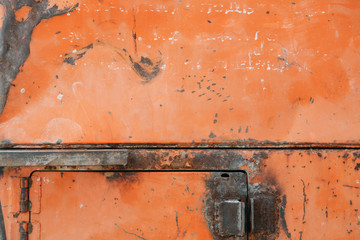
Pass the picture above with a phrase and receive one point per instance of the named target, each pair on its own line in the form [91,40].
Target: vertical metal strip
[2,224]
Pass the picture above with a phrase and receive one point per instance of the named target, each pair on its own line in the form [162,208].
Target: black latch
[231,218]
[234,212]
[226,205]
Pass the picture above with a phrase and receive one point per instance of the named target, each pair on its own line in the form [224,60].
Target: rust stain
[15,37]
[125,178]
[282,216]
[273,180]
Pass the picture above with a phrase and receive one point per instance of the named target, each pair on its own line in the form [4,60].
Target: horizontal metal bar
[12,158]
[225,145]
[152,159]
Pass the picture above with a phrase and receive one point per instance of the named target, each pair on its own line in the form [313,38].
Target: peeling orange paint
[22,14]
[269,71]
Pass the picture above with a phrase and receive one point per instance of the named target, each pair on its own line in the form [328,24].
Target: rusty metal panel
[312,194]
[155,71]
[145,84]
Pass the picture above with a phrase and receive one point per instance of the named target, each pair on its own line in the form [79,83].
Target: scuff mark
[15,38]
[356,156]
[282,216]
[326,212]
[134,32]
[127,178]
[190,210]
[349,186]
[133,234]
[177,224]
[212,135]
[284,59]
[357,167]
[145,67]
[284,62]
[75,55]
[304,201]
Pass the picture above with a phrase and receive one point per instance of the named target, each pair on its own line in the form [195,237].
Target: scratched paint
[158,71]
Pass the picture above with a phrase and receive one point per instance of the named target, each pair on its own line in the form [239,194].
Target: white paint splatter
[256,35]
[22,90]
[60,96]
[198,66]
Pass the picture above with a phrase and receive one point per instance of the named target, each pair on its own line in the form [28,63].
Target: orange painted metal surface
[124,206]
[319,193]
[222,71]
[154,72]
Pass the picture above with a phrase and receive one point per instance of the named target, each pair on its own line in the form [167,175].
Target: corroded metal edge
[223,145]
